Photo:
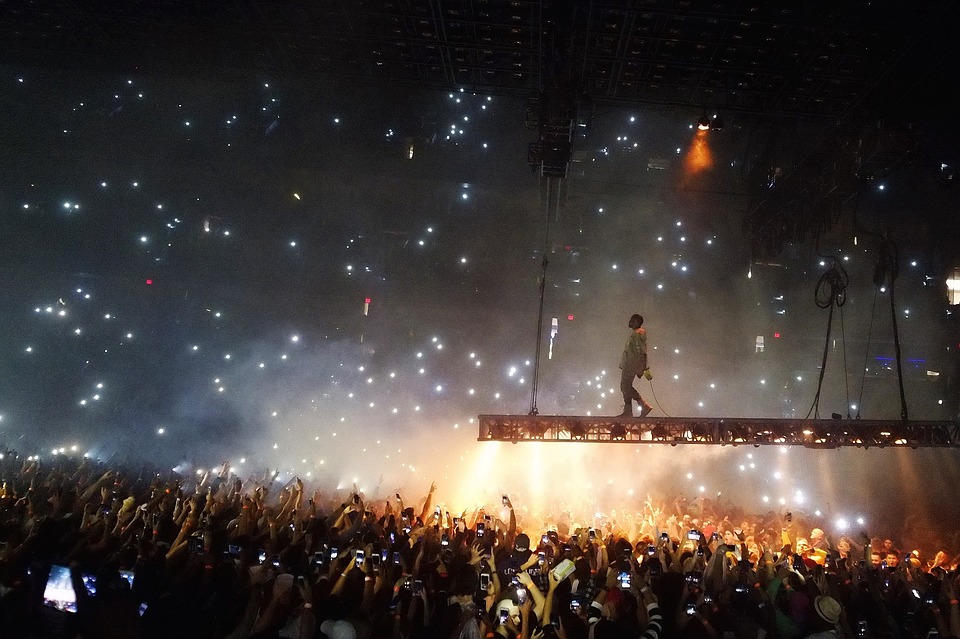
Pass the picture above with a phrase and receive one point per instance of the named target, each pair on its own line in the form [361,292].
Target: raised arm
[428,503]
[95,486]
[552,584]
[539,602]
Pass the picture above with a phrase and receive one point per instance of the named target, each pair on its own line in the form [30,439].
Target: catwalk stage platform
[722,431]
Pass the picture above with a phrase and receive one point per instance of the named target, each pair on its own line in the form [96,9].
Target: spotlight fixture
[717,124]
[703,124]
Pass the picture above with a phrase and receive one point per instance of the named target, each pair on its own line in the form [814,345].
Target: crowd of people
[89,551]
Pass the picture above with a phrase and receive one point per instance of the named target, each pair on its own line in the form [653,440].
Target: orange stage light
[698,156]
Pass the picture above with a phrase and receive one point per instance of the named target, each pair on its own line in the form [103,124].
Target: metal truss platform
[733,431]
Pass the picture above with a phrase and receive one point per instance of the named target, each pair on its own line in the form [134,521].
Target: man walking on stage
[633,363]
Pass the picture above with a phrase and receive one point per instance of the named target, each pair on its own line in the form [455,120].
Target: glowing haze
[190,262]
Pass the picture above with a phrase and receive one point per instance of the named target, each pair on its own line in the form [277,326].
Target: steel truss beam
[733,431]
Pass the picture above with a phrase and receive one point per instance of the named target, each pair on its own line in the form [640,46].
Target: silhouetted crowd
[89,551]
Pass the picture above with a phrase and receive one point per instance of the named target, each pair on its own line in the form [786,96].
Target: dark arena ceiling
[815,59]
[858,84]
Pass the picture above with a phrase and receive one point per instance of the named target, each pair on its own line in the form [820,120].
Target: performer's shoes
[645,410]
[627,411]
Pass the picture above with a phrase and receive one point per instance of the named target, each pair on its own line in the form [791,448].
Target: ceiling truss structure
[818,58]
[838,64]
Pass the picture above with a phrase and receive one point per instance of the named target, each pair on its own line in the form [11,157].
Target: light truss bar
[732,431]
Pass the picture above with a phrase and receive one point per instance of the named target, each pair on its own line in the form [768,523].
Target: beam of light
[698,157]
